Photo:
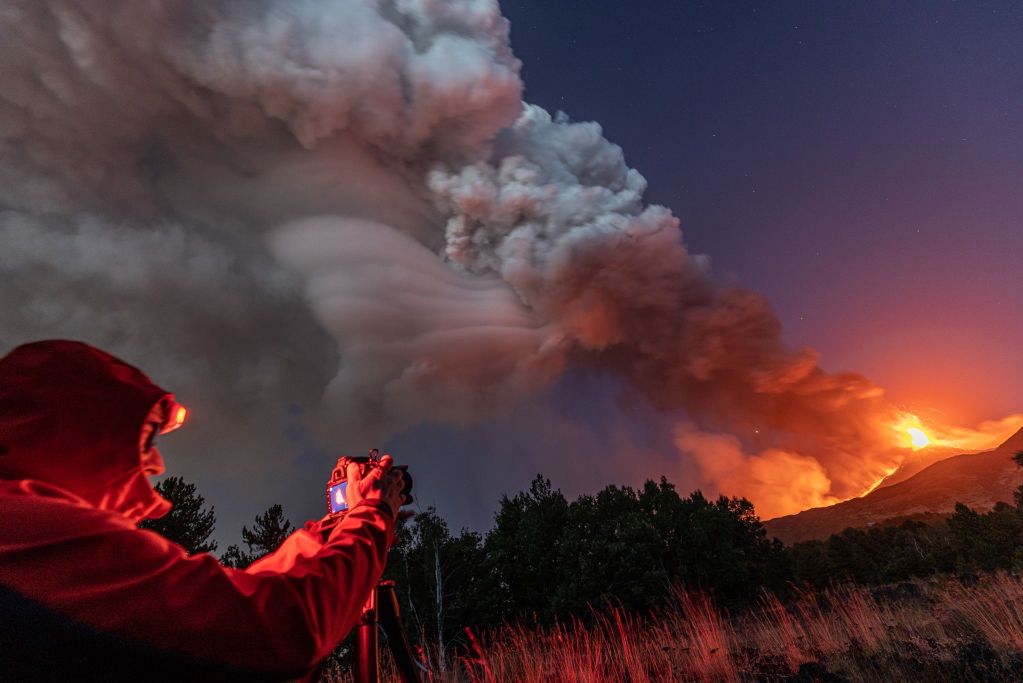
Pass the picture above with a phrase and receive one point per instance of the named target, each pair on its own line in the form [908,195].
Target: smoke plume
[345,206]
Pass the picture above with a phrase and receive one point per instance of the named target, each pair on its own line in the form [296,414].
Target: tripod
[381,611]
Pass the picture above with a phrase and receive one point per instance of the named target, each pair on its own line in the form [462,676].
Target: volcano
[978,480]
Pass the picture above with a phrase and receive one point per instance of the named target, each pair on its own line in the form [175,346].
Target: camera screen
[338,497]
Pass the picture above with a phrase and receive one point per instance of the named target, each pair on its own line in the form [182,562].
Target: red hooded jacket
[85,593]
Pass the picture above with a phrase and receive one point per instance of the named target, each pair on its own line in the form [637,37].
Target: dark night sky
[860,163]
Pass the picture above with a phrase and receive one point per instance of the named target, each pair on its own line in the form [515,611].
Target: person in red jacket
[86,595]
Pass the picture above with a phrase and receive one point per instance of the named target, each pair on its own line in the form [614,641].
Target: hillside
[977,479]
[919,461]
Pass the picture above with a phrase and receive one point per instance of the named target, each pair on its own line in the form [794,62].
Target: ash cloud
[345,206]
[559,215]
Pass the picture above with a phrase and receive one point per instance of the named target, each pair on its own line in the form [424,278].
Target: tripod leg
[367,650]
[397,639]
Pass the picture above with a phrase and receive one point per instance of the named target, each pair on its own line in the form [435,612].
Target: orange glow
[987,434]
[178,414]
[781,482]
[918,438]
[877,483]
[910,433]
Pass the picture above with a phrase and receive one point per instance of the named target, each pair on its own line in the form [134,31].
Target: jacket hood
[71,416]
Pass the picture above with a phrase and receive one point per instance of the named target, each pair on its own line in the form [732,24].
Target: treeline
[965,543]
[547,558]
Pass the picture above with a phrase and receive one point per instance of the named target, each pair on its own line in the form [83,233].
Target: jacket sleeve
[101,571]
[303,543]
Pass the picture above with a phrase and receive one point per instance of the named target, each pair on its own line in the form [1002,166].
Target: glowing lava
[889,472]
[918,438]
[909,433]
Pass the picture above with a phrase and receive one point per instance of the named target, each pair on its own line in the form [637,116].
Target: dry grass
[918,631]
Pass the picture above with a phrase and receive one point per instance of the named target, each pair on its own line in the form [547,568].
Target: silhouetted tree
[189,523]
[609,550]
[522,550]
[717,546]
[1018,495]
[235,557]
[439,579]
[551,557]
[268,532]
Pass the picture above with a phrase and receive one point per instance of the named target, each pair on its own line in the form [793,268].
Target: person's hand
[381,483]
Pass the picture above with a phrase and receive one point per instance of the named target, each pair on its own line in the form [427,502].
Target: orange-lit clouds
[776,481]
[984,436]
[910,431]
[781,482]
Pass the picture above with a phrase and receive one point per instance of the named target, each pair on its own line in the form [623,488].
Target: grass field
[922,631]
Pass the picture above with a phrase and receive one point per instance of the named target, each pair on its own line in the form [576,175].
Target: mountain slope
[977,479]
[919,461]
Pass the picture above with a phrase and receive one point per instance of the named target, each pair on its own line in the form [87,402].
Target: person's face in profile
[150,458]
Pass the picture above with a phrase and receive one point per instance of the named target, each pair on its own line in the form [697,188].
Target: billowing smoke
[340,212]
[559,215]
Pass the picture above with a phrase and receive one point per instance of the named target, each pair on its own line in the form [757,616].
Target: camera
[337,486]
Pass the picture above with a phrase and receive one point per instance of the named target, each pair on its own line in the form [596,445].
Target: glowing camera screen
[338,497]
